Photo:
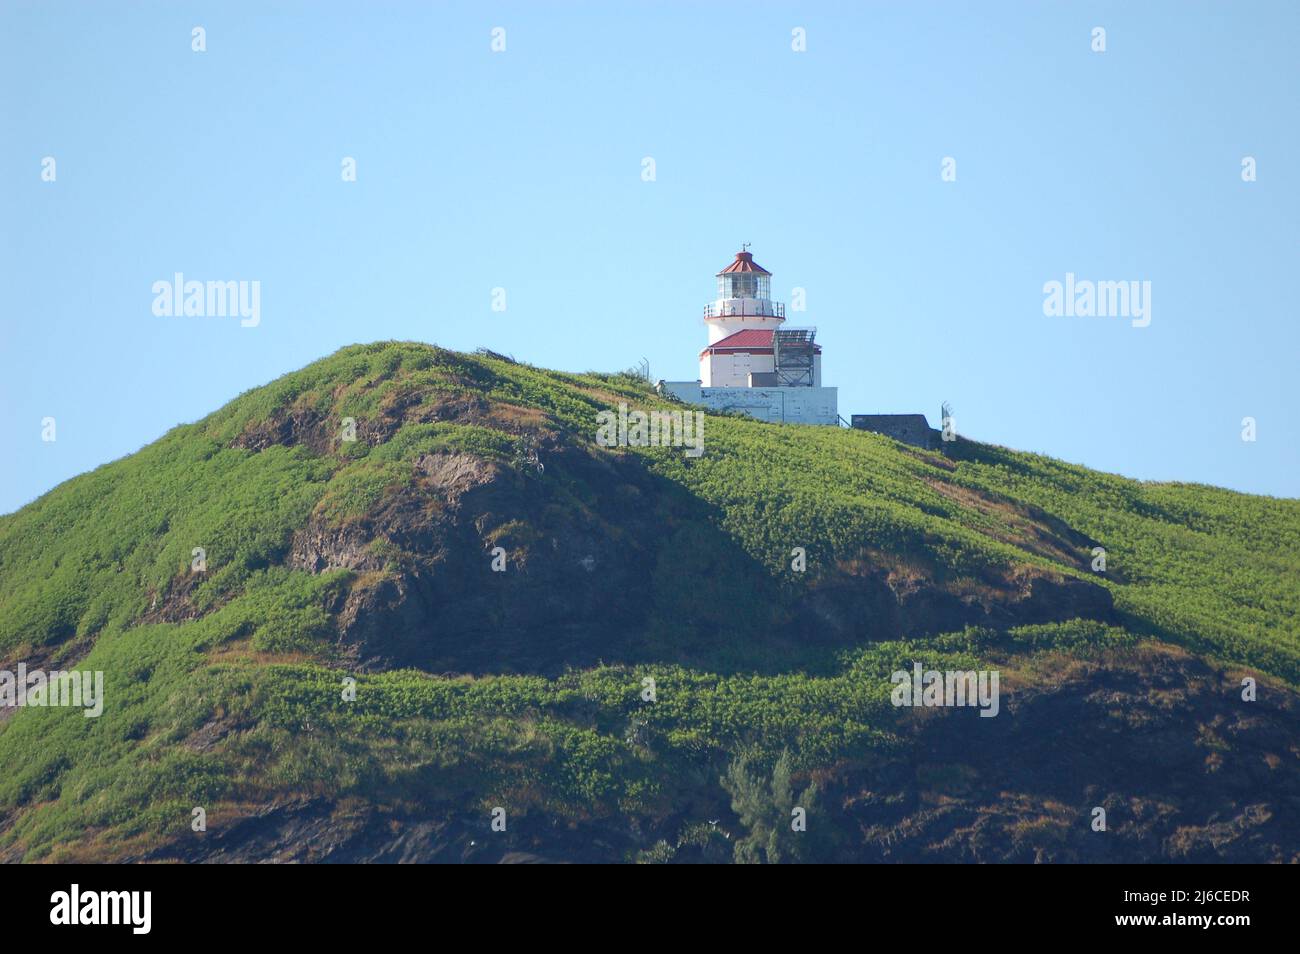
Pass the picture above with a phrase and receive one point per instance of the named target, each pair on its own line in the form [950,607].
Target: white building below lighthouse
[753,363]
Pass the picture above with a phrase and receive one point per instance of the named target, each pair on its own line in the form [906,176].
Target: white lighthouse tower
[752,363]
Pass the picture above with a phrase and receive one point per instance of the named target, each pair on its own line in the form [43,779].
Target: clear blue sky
[523,169]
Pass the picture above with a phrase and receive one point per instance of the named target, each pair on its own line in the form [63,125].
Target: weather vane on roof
[744,247]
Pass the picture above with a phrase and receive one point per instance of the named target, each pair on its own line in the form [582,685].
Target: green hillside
[523,690]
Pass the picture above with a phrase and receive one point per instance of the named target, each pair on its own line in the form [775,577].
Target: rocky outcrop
[1183,767]
[871,602]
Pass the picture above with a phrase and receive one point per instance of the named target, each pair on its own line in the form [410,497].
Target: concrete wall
[784,405]
[733,370]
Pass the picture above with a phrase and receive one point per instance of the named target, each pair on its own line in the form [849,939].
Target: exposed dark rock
[1133,733]
[873,604]
[305,426]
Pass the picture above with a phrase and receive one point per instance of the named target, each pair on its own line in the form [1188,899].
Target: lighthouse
[744,300]
[753,362]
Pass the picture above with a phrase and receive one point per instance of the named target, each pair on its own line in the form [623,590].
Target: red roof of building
[744,263]
[747,341]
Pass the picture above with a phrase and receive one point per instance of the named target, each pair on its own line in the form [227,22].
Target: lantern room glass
[744,285]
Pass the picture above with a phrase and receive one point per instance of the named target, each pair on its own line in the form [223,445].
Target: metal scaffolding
[793,352]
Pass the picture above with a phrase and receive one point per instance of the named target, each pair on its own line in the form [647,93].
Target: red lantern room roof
[744,263]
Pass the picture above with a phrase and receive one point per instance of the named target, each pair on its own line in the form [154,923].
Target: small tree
[764,808]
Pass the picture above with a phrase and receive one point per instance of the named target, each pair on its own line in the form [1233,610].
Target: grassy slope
[81,568]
